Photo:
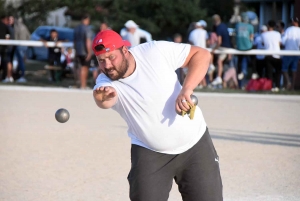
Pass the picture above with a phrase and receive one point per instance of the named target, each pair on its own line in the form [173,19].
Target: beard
[119,71]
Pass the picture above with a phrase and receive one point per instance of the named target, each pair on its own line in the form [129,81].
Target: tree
[162,18]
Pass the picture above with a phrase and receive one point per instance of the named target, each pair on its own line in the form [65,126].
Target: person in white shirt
[199,35]
[271,40]
[260,63]
[291,41]
[134,34]
[140,84]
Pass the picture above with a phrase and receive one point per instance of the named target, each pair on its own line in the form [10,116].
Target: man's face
[131,30]
[11,20]
[103,27]
[86,21]
[54,34]
[178,39]
[113,64]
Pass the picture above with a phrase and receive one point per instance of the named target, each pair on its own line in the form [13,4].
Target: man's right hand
[105,96]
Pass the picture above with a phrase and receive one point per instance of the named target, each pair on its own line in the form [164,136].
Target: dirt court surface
[88,158]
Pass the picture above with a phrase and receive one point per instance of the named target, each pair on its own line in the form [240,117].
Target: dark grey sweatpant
[195,171]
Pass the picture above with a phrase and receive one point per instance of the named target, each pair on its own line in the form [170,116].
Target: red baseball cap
[108,40]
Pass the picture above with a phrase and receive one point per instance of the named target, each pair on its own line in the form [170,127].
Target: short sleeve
[89,33]
[251,29]
[175,53]
[102,80]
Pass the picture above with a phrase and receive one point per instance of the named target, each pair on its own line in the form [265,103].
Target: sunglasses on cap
[101,47]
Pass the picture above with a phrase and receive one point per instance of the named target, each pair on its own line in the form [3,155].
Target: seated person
[54,54]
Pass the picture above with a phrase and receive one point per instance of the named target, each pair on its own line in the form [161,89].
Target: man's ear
[125,50]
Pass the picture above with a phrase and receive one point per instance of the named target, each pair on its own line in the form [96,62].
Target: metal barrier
[227,50]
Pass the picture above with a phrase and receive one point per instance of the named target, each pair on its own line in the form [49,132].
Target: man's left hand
[182,99]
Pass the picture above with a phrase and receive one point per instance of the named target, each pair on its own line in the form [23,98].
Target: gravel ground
[256,136]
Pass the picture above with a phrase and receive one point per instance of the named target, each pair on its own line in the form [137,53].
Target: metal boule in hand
[62,115]
[194,99]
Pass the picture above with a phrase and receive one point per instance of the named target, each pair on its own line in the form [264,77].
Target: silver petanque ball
[62,115]
[194,99]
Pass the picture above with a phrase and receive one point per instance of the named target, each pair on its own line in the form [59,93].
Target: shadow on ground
[282,139]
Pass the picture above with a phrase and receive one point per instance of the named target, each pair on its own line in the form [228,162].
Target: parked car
[41,53]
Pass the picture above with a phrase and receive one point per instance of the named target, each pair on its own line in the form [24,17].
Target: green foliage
[162,18]
[224,8]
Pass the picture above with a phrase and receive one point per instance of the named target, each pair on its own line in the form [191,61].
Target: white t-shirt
[135,38]
[198,37]
[291,38]
[146,99]
[272,40]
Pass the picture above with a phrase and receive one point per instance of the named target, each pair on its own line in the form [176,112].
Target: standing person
[280,27]
[134,34]
[4,34]
[104,26]
[10,51]
[199,37]
[291,41]
[271,40]
[223,43]
[212,42]
[21,33]
[83,49]
[260,63]
[244,38]
[142,86]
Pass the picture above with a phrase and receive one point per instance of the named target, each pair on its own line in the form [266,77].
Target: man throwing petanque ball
[141,85]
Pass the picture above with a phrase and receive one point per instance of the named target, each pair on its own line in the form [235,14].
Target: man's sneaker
[240,76]
[8,80]
[254,76]
[217,81]
[21,80]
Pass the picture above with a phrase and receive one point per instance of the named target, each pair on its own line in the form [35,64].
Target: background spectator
[260,63]
[54,54]
[223,42]
[291,41]
[271,40]
[244,38]
[21,33]
[83,49]
[104,26]
[4,34]
[212,43]
[10,51]
[199,36]
[280,27]
[134,34]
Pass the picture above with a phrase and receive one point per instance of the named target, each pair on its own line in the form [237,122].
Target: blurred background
[161,19]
